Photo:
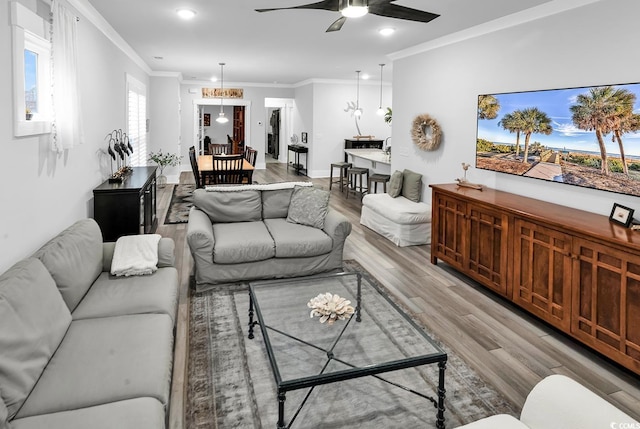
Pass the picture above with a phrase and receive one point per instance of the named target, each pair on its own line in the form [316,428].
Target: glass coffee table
[304,353]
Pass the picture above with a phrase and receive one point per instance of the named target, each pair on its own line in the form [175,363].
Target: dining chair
[194,166]
[218,149]
[250,155]
[227,169]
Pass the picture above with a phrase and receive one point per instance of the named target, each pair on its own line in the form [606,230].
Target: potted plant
[163,160]
[388,116]
[28,114]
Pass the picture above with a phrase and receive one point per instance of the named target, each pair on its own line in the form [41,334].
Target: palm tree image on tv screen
[587,136]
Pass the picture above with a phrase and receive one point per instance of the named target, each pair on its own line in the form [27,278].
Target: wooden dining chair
[250,155]
[218,149]
[227,169]
[194,166]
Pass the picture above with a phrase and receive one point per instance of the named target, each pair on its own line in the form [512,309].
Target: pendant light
[380,111]
[222,119]
[358,111]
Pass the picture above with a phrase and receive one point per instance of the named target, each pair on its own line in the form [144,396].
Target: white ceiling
[285,47]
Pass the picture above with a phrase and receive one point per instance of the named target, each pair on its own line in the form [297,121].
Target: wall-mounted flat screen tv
[588,136]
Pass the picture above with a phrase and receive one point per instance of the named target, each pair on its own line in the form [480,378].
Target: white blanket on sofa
[135,255]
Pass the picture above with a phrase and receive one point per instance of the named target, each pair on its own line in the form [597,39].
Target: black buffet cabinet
[129,207]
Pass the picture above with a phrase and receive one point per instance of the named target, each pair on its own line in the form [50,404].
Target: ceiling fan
[356,8]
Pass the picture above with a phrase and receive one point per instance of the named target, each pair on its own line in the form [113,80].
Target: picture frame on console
[621,214]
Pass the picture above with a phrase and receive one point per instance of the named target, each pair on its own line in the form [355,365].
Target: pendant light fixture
[358,111]
[222,119]
[380,111]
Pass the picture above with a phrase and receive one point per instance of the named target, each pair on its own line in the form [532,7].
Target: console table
[296,164]
[129,207]
[573,269]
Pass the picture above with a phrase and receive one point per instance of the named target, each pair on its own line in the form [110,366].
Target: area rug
[231,385]
[181,202]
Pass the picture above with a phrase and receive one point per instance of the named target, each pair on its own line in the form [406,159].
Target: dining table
[205,165]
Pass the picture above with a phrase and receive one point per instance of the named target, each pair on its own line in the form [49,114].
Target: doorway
[238,127]
[279,128]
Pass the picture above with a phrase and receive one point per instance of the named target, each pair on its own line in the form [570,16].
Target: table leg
[251,322]
[282,396]
[359,297]
[441,395]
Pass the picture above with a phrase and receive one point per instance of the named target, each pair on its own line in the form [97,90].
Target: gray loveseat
[242,233]
[80,348]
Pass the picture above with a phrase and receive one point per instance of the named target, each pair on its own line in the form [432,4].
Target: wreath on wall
[426,132]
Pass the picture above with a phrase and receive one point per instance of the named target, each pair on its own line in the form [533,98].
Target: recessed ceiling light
[186,13]
[365,77]
[214,78]
[388,31]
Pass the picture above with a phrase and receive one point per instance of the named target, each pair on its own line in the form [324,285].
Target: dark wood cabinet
[129,207]
[472,238]
[542,271]
[573,269]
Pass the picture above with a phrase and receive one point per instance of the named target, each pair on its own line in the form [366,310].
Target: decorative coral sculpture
[330,307]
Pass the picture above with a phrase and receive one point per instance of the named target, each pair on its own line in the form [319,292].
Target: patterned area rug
[181,202]
[230,383]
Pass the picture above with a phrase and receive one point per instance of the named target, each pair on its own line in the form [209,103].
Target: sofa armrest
[336,226]
[166,254]
[200,235]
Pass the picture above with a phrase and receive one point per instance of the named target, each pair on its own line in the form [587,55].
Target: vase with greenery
[164,160]
[388,116]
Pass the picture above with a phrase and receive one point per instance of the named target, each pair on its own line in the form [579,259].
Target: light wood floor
[509,348]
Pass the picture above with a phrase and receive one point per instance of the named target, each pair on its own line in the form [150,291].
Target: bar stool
[353,174]
[378,178]
[343,166]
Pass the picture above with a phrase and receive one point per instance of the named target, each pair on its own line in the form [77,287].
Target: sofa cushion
[296,241]
[411,185]
[121,296]
[74,259]
[4,415]
[395,184]
[34,319]
[106,360]
[137,413]
[275,204]
[308,206]
[229,206]
[240,242]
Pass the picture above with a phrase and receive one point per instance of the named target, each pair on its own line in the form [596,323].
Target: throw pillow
[411,185]
[395,184]
[308,206]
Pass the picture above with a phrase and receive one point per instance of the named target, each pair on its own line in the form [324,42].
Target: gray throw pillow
[395,184]
[308,206]
[411,185]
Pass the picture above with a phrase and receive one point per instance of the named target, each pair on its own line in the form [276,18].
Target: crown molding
[90,13]
[547,9]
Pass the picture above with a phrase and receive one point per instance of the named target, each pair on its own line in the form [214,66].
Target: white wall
[164,128]
[323,105]
[219,132]
[592,45]
[43,193]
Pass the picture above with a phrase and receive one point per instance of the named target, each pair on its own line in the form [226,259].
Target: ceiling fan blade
[332,5]
[401,12]
[337,24]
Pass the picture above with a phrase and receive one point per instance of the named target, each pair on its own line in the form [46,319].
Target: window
[31,71]
[137,120]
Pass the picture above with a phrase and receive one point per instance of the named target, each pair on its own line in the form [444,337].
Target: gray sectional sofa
[80,348]
[245,233]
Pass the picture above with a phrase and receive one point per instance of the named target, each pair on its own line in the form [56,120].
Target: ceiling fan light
[355,11]
[222,119]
